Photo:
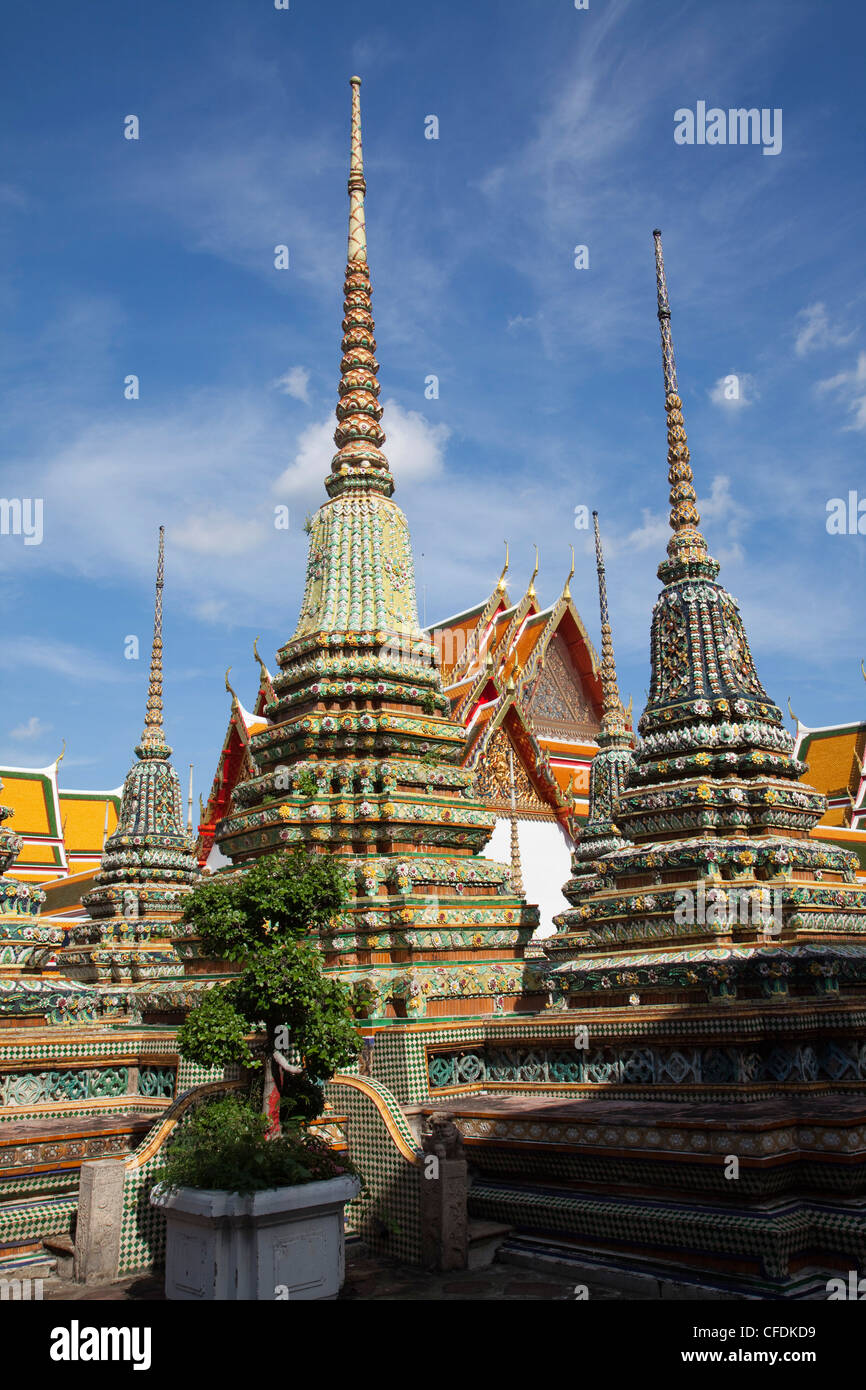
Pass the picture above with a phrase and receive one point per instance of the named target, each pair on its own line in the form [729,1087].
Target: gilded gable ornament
[558,697]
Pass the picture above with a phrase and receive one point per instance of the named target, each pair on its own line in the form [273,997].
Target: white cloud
[295,383]
[851,389]
[414,446]
[316,448]
[205,470]
[34,728]
[219,533]
[720,512]
[816,331]
[734,391]
[213,471]
[61,658]
[653,533]
[213,610]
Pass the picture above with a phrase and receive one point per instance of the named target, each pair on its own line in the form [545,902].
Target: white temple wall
[216,859]
[545,862]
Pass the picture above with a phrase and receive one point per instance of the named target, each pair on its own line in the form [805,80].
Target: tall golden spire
[153,744]
[687,545]
[357,183]
[359,466]
[613,718]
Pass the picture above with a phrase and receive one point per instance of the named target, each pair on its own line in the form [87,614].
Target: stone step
[484,1240]
[62,1249]
[595,1276]
[31,1264]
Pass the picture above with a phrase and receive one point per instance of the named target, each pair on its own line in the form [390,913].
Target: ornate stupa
[360,756]
[599,834]
[148,865]
[721,886]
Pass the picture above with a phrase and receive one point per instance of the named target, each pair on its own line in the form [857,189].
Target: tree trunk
[271,1099]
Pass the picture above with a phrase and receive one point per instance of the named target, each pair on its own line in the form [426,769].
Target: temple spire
[612,719]
[359,466]
[153,744]
[687,545]
[357,183]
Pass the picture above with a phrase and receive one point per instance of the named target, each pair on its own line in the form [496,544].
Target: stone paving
[377,1278]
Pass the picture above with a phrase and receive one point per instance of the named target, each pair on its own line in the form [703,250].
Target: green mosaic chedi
[148,865]
[147,868]
[717,885]
[599,834]
[361,757]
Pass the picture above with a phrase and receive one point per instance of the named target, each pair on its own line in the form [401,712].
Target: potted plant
[253,1203]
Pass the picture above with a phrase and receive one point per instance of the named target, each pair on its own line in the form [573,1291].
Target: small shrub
[307,784]
[224,1146]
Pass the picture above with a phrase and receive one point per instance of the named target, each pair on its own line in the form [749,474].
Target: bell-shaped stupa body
[361,758]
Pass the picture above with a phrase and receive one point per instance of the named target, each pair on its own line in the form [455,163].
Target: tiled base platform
[762,1198]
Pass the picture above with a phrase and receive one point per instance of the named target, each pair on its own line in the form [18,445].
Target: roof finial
[357,184]
[687,543]
[613,717]
[265,673]
[566,592]
[60,756]
[230,690]
[531,590]
[153,744]
[501,582]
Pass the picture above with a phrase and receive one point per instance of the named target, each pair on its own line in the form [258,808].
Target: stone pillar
[100,1215]
[444,1189]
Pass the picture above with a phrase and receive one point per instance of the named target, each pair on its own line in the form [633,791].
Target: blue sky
[155,257]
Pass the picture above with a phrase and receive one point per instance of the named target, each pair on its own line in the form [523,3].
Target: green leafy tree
[268,920]
[225,1145]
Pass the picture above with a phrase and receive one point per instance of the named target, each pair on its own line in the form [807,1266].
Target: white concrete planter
[287,1242]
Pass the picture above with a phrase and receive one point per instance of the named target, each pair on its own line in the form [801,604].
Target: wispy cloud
[851,389]
[295,383]
[734,391]
[61,659]
[414,446]
[34,728]
[816,332]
